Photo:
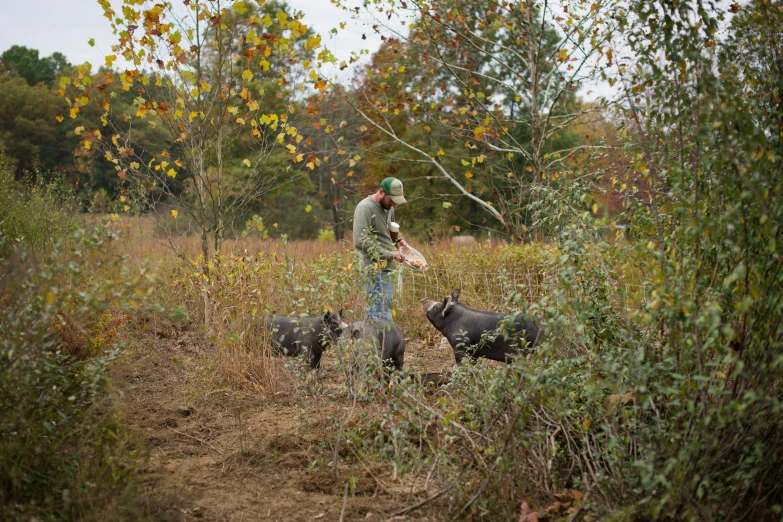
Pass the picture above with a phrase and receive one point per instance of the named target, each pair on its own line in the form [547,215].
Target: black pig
[310,335]
[477,334]
[389,338]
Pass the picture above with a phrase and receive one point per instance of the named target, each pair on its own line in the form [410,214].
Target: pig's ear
[447,304]
[341,313]
[455,295]
[327,316]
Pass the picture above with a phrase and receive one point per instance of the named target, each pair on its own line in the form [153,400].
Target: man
[372,239]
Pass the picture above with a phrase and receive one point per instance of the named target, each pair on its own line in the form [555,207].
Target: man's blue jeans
[380,292]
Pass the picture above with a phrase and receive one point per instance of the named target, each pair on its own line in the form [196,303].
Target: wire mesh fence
[488,290]
[502,290]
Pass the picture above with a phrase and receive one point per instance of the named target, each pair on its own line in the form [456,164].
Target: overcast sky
[67,25]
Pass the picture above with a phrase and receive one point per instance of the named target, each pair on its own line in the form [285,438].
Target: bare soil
[229,455]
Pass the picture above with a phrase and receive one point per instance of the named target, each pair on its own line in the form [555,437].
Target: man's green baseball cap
[393,187]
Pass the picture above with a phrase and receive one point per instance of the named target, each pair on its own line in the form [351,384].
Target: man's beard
[385,205]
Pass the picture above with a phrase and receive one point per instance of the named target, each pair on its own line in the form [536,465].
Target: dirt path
[232,456]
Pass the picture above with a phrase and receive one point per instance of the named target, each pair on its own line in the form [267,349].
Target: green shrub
[63,453]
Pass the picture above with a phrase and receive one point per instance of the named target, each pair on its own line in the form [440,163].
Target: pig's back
[291,330]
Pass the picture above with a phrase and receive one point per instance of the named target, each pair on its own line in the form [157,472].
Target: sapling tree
[217,77]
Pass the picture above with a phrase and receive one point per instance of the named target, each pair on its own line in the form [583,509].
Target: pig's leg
[315,358]
[459,354]
[398,359]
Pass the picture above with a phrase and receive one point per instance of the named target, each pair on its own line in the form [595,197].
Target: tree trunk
[205,272]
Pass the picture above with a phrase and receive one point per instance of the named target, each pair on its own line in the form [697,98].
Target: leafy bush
[63,451]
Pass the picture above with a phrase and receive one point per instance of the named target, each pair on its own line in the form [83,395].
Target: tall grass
[32,214]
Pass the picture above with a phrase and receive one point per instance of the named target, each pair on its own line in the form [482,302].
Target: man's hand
[404,243]
[398,256]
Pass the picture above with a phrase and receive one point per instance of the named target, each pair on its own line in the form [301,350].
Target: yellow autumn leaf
[310,165]
[298,158]
[74,112]
[59,118]
[174,213]
[465,163]
[313,43]
[246,162]
[595,208]
[440,152]
[468,174]
[50,298]
[401,69]
[241,121]
[247,74]
[308,208]
[586,424]
[171,173]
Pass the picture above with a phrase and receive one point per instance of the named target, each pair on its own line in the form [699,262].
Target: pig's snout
[427,303]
